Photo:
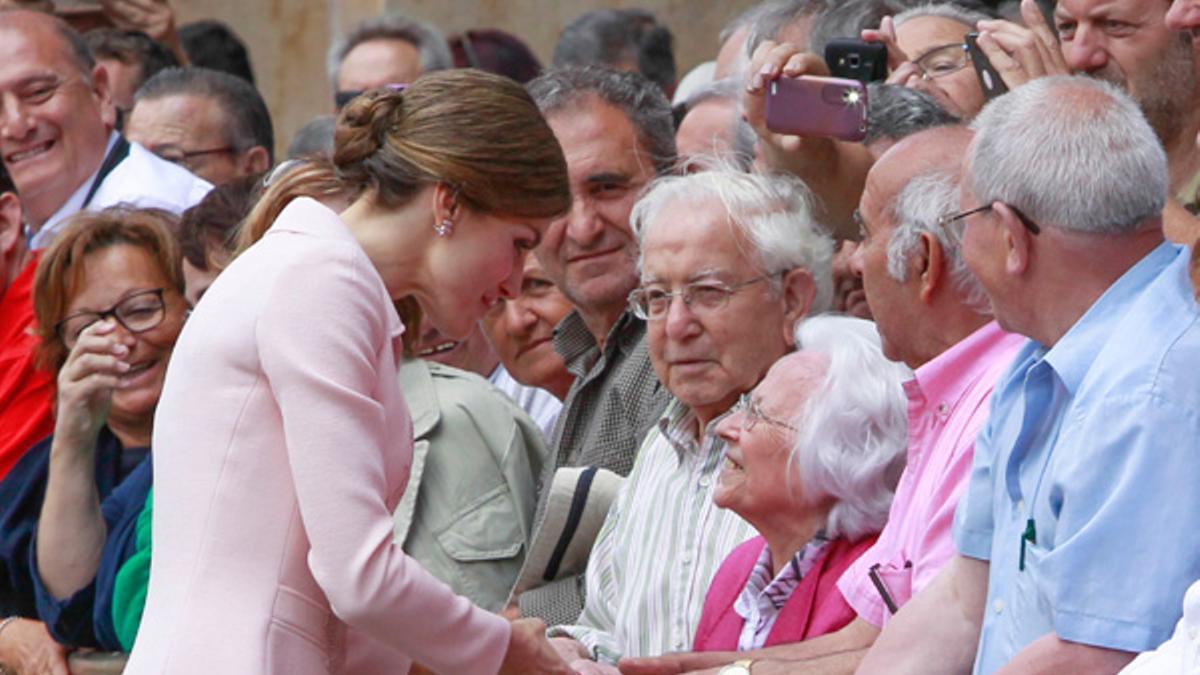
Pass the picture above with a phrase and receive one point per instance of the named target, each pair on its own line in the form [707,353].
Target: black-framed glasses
[947,221]
[138,313]
[752,414]
[942,61]
[701,297]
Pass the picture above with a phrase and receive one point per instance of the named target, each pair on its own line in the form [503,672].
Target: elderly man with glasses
[932,315]
[1069,554]
[729,263]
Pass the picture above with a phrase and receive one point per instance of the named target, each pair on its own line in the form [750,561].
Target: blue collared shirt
[1097,442]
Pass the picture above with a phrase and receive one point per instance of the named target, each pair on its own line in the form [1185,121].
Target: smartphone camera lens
[854,62]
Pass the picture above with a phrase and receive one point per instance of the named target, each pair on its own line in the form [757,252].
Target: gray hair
[846,18]
[314,138]
[773,212]
[778,15]
[247,120]
[954,11]
[642,102]
[853,429]
[429,41]
[894,112]
[744,138]
[1072,152]
[614,37]
[915,211]
[746,20]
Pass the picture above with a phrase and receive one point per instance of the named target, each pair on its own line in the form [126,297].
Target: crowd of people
[587,368]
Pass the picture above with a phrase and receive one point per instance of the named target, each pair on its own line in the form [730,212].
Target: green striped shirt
[659,547]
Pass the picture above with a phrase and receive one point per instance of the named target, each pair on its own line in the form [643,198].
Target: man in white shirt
[56,132]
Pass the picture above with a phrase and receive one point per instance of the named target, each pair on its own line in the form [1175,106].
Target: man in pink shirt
[933,316]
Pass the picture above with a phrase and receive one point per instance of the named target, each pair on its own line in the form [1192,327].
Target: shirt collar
[678,426]
[949,375]
[73,205]
[576,344]
[1074,353]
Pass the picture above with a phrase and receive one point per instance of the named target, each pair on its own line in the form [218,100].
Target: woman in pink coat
[282,442]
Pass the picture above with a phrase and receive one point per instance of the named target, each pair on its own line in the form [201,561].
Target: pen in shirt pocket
[881,586]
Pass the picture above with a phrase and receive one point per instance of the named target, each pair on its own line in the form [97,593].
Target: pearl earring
[444,228]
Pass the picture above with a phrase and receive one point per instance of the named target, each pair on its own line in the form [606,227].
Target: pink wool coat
[282,444]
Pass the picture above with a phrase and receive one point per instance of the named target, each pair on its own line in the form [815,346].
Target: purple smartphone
[818,106]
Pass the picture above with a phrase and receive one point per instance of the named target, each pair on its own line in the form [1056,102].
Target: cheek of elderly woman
[756,480]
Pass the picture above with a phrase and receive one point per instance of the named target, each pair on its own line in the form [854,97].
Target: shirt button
[943,409]
[1021,505]
[704,481]
[687,558]
[998,606]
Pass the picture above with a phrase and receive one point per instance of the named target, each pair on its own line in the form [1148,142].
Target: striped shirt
[764,596]
[659,547]
[612,405]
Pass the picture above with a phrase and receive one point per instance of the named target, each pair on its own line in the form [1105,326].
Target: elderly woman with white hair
[811,461]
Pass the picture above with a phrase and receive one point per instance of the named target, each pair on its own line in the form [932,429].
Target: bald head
[48,26]
[933,150]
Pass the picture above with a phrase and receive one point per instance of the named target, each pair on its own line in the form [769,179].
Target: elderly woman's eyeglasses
[752,415]
[702,298]
[947,222]
[942,61]
[138,313]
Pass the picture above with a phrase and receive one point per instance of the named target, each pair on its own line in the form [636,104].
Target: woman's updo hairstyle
[477,132]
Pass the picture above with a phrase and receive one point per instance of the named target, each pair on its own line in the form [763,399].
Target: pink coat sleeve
[325,349]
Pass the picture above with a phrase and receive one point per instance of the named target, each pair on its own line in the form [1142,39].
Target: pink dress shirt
[947,406]
[281,446]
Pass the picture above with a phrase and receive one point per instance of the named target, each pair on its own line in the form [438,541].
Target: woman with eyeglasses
[283,443]
[927,48]
[108,298]
[811,461]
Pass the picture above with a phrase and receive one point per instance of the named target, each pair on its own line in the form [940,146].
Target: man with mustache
[616,133]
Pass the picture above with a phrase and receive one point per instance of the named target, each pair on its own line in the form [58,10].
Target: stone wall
[288,38]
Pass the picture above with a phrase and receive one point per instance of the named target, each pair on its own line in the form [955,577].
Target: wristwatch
[740,667]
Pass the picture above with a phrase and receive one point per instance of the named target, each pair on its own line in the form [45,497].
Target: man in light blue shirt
[1074,535]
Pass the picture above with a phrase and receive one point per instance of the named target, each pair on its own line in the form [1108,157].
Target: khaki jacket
[467,514]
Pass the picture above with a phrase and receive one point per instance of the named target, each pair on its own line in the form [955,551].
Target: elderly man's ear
[1018,241]
[928,266]
[799,291]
